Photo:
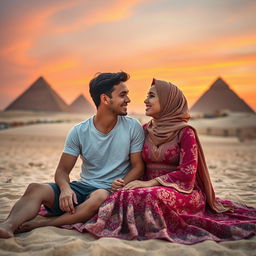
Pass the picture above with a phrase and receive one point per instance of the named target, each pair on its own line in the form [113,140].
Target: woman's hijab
[174,113]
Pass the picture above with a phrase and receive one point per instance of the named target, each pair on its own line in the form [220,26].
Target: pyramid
[40,97]
[220,97]
[81,105]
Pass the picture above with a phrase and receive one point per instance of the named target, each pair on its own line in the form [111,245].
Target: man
[109,144]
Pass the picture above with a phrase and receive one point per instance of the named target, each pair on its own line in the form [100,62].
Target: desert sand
[31,153]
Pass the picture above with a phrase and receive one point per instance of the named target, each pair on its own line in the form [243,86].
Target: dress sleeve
[183,178]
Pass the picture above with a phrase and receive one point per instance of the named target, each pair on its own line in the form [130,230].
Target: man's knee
[39,190]
[99,196]
[32,187]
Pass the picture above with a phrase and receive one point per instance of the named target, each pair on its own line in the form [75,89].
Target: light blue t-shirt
[105,156]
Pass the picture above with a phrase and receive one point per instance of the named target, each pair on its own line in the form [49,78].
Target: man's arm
[137,170]
[135,173]
[67,195]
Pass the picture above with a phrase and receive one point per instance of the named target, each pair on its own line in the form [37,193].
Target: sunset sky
[189,43]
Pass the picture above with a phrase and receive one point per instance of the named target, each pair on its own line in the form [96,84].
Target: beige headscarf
[174,113]
[173,117]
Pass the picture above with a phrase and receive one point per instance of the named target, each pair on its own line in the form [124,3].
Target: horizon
[67,43]
[141,111]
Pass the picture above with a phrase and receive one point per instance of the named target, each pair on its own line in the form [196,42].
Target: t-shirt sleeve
[137,138]
[72,145]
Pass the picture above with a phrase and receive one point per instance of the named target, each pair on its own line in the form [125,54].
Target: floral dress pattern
[175,211]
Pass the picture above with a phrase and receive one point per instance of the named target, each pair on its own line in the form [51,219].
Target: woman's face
[152,103]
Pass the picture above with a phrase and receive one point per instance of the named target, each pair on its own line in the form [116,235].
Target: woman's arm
[142,184]
[183,179]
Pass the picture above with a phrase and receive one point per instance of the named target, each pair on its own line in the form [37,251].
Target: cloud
[69,41]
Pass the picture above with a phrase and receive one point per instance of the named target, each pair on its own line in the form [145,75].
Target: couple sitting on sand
[173,199]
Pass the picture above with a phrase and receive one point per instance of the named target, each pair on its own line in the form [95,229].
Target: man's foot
[29,225]
[5,231]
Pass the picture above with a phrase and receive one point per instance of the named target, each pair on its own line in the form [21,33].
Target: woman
[175,201]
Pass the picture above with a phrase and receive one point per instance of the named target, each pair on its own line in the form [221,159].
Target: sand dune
[31,153]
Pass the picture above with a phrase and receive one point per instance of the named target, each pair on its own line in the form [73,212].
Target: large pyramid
[81,105]
[220,97]
[39,96]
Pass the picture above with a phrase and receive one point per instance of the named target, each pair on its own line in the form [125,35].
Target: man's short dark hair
[104,83]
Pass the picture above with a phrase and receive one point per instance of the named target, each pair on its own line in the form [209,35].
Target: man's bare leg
[83,212]
[26,208]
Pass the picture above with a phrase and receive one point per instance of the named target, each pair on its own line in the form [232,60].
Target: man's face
[119,101]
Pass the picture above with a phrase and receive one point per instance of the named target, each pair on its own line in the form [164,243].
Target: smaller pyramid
[40,97]
[81,105]
[220,97]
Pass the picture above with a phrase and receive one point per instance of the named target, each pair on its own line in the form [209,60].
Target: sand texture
[31,153]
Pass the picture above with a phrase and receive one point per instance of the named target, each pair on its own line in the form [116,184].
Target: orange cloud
[109,12]
[31,25]
[60,65]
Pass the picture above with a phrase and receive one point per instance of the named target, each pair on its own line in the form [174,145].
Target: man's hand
[67,195]
[117,184]
[67,200]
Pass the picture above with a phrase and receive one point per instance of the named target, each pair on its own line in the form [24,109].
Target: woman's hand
[137,184]
[141,184]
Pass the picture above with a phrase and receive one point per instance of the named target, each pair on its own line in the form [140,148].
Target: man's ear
[104,98]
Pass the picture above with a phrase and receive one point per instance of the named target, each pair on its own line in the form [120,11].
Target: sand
[31,153]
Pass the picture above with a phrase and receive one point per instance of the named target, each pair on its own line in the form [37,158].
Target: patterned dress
[175,211]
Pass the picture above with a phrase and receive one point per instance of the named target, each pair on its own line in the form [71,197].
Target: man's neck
[104,122]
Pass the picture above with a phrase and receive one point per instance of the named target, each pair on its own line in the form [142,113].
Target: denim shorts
[81,190]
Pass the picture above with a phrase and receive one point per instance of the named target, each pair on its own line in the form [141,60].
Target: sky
[189,43]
